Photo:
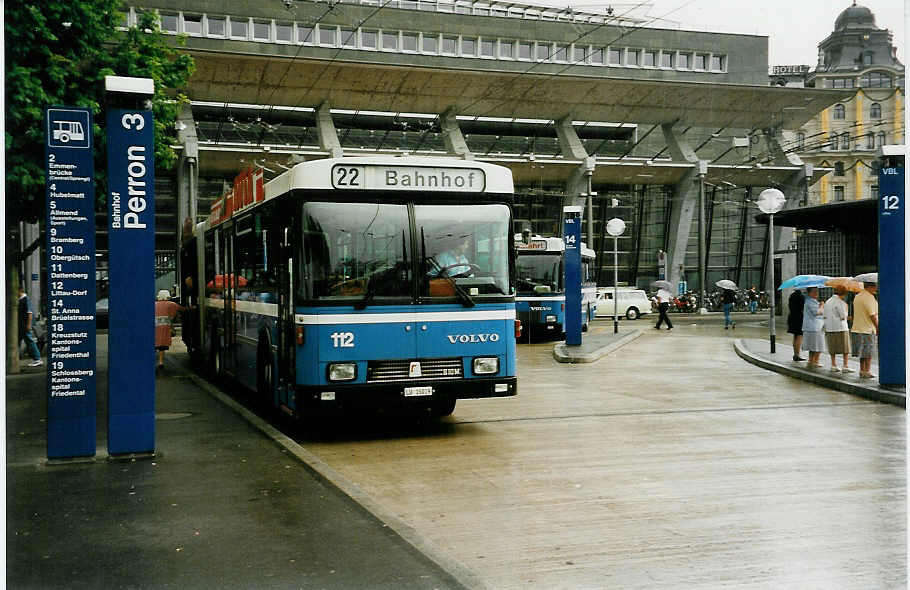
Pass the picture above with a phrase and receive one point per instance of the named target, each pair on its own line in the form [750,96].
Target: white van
[632,302]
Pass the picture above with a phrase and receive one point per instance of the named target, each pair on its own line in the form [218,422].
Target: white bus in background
[540,297]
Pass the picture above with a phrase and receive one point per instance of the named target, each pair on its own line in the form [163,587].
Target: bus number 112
[342,339]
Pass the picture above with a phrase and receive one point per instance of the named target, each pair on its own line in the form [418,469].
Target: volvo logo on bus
[472,338]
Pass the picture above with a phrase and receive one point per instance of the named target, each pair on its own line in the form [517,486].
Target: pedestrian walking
[753,299]
[837,333]
[663,304]
[813,324]
[865,325]
[165,312]
[25,329]
[729,299]
[795,305]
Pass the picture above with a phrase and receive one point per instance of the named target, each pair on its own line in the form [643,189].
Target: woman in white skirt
[813,323]
[837,333]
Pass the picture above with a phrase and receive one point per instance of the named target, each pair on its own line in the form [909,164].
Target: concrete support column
[569,143]
[187,183]
[578,185]
[325,130]
[679,150]
[187,169]
[451,134]
[773,139]
[685,203]
[682,213]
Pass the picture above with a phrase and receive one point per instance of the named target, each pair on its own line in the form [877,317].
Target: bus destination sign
[70,222]
[408,178]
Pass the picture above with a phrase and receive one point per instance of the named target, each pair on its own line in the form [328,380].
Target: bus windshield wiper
[466,299]
[368,296]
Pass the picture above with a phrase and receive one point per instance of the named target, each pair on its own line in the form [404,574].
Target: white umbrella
[867,277]
[661,284]
[726,284]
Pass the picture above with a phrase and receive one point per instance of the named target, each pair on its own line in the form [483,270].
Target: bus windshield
[467,246]
[539,273]
[353,250]
[362,252]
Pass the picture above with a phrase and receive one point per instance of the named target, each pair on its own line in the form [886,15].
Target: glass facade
[735,241]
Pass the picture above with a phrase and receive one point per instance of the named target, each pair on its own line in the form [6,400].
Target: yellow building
[847,135]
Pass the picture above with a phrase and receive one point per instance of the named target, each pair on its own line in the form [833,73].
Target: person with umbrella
[728,298]
[795,321]
[837,334]
[796,305]
[663,304]
[813,323]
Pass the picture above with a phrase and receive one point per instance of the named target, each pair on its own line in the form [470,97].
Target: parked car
[632,302]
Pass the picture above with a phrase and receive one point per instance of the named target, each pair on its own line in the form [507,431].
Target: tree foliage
[58,53]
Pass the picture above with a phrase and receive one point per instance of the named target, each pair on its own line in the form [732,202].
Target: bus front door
[285,325]
[229,280]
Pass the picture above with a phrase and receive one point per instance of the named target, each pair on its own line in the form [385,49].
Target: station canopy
[848,217]
[247,103]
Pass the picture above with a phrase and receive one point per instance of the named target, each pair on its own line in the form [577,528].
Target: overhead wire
[567,45]
[564,47]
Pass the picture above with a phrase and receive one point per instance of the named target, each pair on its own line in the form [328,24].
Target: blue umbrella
[803,281]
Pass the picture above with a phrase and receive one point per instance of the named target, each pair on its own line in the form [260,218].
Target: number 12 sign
[891,294]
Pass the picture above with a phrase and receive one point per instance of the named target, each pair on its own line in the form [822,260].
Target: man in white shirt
[663,304]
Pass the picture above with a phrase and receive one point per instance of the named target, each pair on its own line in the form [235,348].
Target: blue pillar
[131,236]
[892,297]
[572,262]
[70,229]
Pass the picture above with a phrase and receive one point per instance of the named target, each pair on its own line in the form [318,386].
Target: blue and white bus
[540,299]
[327,289]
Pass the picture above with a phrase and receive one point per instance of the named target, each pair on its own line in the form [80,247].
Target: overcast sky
[794,27]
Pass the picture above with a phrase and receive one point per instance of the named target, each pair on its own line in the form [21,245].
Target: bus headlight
[486,365]
[342,371]
[551,319]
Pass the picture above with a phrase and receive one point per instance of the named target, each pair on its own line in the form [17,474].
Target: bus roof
[540,244]
[376,173]
[390,173]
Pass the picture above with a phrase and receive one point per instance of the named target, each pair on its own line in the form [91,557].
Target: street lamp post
[770,201]
[615,227]
[702,248]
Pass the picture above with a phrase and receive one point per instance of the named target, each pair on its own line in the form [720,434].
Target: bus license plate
[418,391]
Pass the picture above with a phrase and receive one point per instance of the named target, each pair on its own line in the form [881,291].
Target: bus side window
[245,255]
[266,257]
[210,253]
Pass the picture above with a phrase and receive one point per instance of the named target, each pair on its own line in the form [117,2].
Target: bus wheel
[265,370]
[444,407]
